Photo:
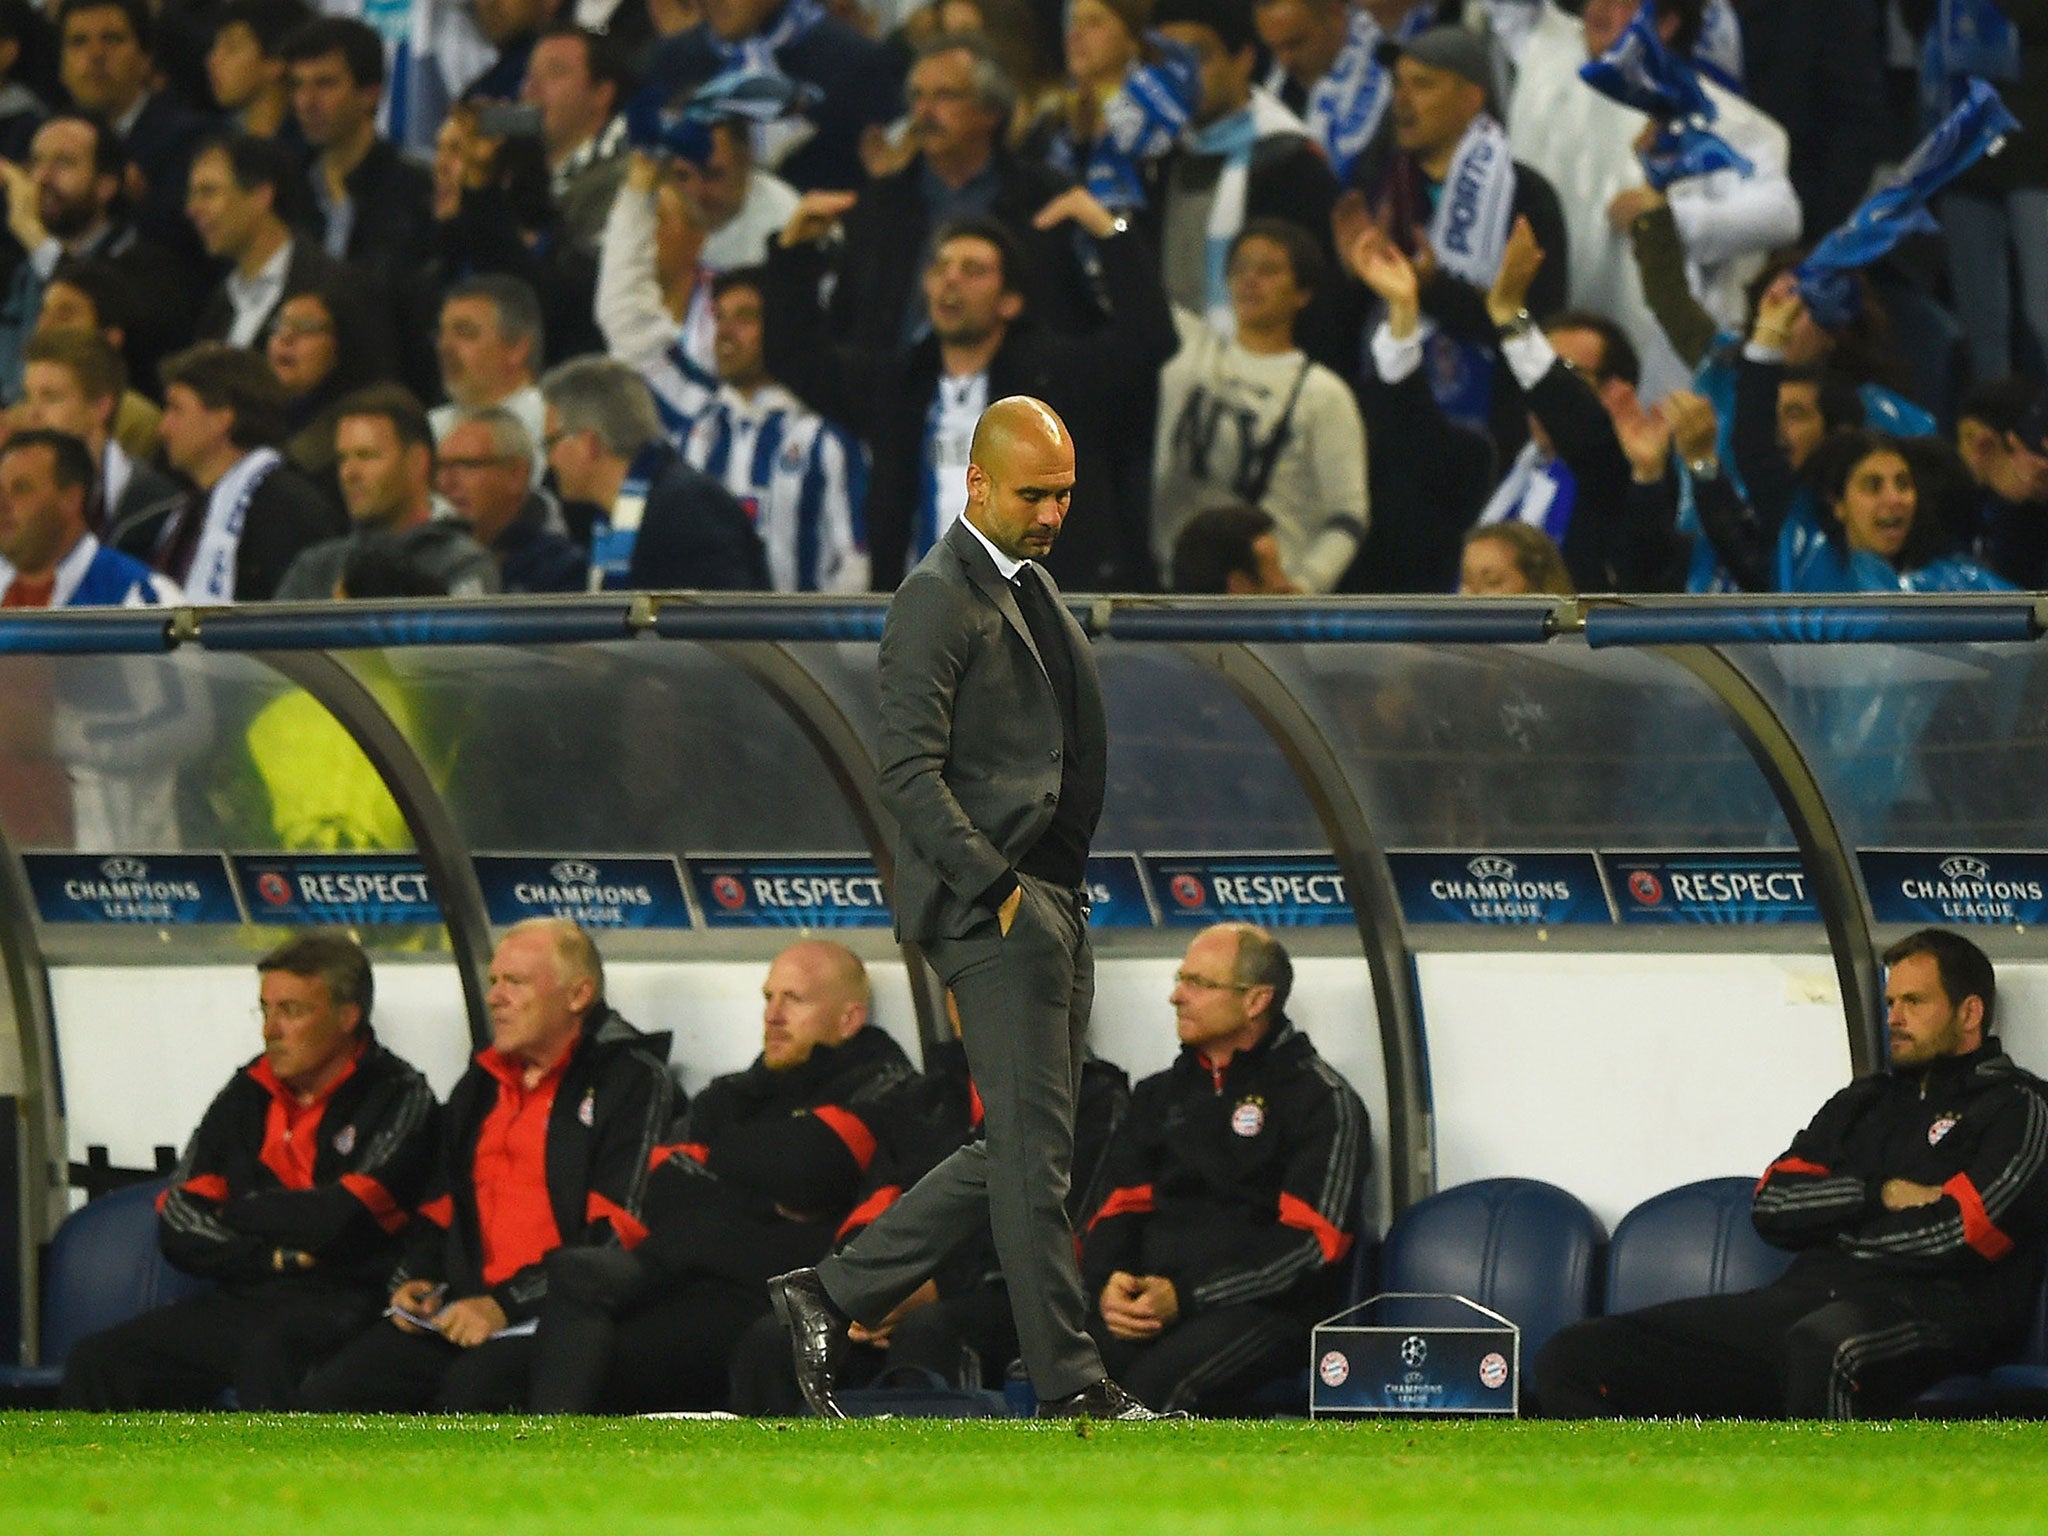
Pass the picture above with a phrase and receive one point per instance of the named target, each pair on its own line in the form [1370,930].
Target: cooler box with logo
[1409,1352]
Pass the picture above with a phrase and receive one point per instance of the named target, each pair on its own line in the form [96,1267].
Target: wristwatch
[1521,325]
[1118,226]
[1705,468]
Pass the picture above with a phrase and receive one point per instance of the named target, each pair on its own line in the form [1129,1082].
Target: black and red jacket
[1239,1185]
[1975,1127]
[767,1164]
[610,1107]
[925,1120]
[236,1198]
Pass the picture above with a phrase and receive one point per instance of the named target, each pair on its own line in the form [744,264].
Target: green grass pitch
[150,1473]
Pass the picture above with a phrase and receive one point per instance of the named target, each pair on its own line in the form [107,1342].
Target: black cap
[1458,49]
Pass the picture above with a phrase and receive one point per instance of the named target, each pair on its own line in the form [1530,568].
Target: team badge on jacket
[1942,1127]
[1249,1118]
[345,1140]
[587,1110]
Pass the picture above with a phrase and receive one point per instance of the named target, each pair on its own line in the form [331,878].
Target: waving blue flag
[682,131]
[1976,128]
[1143,120]
[1640,72]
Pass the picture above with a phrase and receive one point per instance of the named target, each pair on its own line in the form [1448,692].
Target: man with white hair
[484,469]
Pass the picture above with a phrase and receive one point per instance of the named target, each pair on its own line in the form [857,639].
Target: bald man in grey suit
[993,753]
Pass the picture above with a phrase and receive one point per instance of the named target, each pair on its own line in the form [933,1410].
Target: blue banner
[317,890]
[1710,887]
[826,891]
[598,890]
[154,888]
[1277,890]
[1925,886]
[1538,889]
[1116,893]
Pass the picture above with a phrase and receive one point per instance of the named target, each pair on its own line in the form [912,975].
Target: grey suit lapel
[981,570]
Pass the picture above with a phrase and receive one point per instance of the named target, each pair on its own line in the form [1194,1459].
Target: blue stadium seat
[1695,1240]
[1528,1250]
[2018,1387]
[104,1268]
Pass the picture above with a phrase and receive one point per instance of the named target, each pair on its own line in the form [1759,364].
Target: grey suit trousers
[1024,1002]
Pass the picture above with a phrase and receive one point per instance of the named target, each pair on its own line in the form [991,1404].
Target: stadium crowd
[1382,296]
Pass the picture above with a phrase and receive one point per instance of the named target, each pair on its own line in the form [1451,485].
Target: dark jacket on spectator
[884,394]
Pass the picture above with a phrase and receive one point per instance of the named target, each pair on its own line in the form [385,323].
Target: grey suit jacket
[971,736]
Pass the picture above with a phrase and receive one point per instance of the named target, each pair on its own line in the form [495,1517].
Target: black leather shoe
[817,1336]
[1105,1400]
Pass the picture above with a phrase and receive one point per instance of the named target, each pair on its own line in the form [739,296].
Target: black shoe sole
[820,1401]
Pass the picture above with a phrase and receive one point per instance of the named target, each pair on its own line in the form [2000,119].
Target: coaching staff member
[1916,1201]
[290,1198]
[993,755]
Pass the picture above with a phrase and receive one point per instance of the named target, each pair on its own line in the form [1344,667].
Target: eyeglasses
[491,463]
[291,1011]
[1207,984]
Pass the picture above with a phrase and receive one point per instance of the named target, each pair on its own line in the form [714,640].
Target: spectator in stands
[1428,477]
[1326,68]
[660,522]
[1104,40]
[289,1197]
[247,69]
[72,382]
[1230,1191]
[802,480]
[512,27]
[860,80]
[52,559]
[1992,215]
[1511,559]
[22,110]
[1585,144]
[1814,66]
[1444,183]
[484,468]
[252,515]
[1230,549]
[579,81]
[490,347]
[916,408]
[88,297]
[109,72]
[373,204]
[767,1166]
[958,1325]
[960,105]
[1244,157]
[242,191]
[385,461]
[1254,419]
[68,203]
[2002,435]
[516,1181]
[326,344]
[1915,1201]
[672,230]
[1883,532]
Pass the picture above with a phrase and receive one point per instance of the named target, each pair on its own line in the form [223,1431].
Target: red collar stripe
[867,1211]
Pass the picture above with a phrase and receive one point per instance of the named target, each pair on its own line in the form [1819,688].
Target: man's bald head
[816,994]
[1020,476]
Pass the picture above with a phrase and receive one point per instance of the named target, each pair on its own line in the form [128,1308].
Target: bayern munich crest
[1334,1369]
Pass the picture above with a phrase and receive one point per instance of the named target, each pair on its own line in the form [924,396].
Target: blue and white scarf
[1718,53]
[1234,138]
[211,576]
[1640,72]
[1536,490]
[1142,121]
[756,54]
[1348,104]
[1476,210]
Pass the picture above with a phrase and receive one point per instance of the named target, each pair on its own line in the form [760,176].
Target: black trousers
[1208,1363]
[1802,1348]
[385,1370]
[930,1339]
[258,1340]
[615,1337]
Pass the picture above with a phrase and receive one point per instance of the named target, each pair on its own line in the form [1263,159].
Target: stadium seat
[1526,1249]
[104,1268]
[1695,1240]
[2017,1388]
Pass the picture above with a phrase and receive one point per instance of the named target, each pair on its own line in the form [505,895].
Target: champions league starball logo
[1414,1351]
[573,872]
[124,869]
[1492,867]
